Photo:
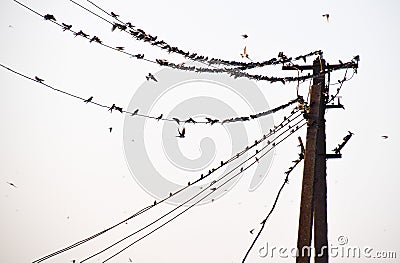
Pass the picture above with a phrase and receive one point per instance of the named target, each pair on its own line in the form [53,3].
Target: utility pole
[313,206]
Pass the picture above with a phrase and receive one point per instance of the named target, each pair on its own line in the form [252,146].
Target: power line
[234,157]
[190,120]
[194,56]
[296,162]
[232,72]
[191,206]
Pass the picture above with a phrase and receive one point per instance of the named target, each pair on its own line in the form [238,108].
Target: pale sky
[71,173]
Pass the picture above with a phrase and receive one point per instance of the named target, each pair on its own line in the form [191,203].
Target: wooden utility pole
[313,195]
[313,206]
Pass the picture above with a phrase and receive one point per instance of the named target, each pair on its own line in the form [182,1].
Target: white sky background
[71,174]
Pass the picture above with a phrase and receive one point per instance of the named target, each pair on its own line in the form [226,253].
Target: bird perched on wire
[159,117]
[88,100]
[181,134]
[49,17]
[39,79]
[245,36]
[135,112]
[345,140]
[326,16]
[245,54]
[111,108]
[120,48]
[151,77]
[119,109]
[114,15]
[190,120]
[81,33]
[66,27]
[95,39]
[211,121]
[110,129]
[176,120]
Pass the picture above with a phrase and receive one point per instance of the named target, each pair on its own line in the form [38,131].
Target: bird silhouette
[95,39]
[245,36]
[211,121]
[66,27]
[245,54]
[159,117]
[110,129]
[326,16]
[181,133]
[111,108]
[13,185]
[39,79]
[135,112]
[190,120]
[177,120]
[88,100]
[252,231]
[114,15]
[213,189]
[119,48]
[151,77]
[385,137]
[49,17]
[119,109]
[81,33]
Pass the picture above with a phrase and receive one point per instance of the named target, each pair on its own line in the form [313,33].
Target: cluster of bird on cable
[302,105]
[343,143]
[211,187]
[234,72]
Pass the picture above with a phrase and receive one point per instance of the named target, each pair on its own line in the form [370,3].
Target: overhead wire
[189,120]
[232,72]
[202,177]
[191,206]
[263,223]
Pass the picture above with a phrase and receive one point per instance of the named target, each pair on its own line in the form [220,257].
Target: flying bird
[245,55]
[13,185]
[245,36]
[159,117]
[385,137]
[66,27]
[327,17]
[49,17]
[252,231]
[89,99]
[39,79]
[151,77]
[181,133]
